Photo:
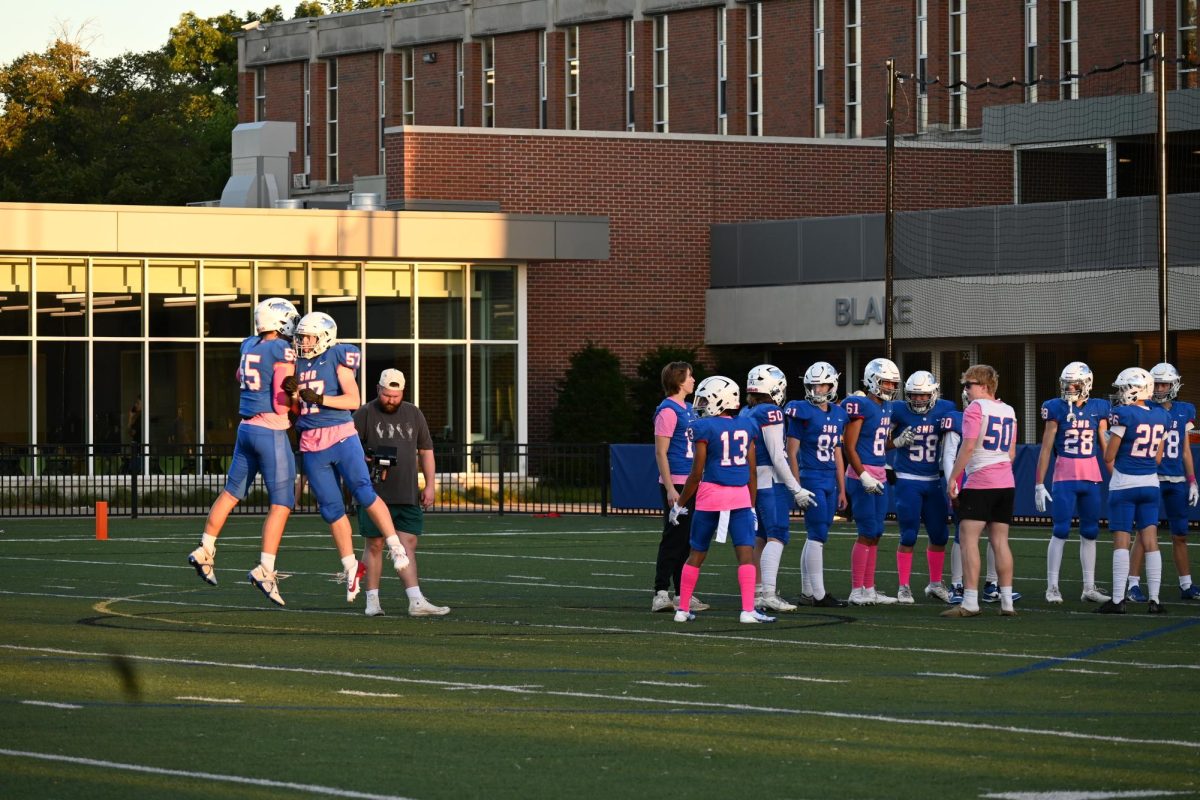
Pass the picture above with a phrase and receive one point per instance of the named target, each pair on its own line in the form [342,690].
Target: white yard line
[48,704]
[807,679]
[672,684]
[1073,794]
[232,700]
[953,675]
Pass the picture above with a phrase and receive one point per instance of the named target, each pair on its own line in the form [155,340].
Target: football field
[125,676]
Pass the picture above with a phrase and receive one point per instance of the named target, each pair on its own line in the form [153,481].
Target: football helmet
[881,369]
[921,382]
[1133,384]
[1166,373]
[1075,382]
[769,380]
[320,325]
[716,395]
[276,314]
[819,374]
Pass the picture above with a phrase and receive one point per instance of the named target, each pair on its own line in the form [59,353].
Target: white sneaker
[759,602]
[879,598]
[1094,595]
[400,560]
[859,597]
[939,591]
[662,601]
[754,617]
[202,561]
[424,608]
[904,596]
[374,609]
[694,606]
[267,582]
[684,616]
[1053,595]
[354,580]
[776,603]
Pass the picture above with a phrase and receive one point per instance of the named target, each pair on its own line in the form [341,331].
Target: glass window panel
[282,279]
[441,379]
[172,388]
[494,392]
[62,292]
[14,422]
[173,286]
[379,357]
[440,298]
[117,297]
[221,396]
[494,303]
[14,297]
[61,370]
[389,300]
[227,290]
[335,291]
[117,367]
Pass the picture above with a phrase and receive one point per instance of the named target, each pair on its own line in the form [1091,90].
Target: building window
[922,65]
[819,67]
[1031,64]
[630,116]
[572,82]
[382,112]
[408,84]
[1147,25]
[853,69]
[1068,37]
[488,61]
[958,64]
[722,75]
[306,73]
[543,99]
[260,94]
[1187,45]
[754,71]
[460,86]
[331,121]
[661,98]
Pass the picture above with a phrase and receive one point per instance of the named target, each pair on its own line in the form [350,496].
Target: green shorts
[405,518]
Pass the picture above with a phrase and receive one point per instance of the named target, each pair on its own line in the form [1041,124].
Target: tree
[205,50]
[36,85]
[593,399]
[646,389]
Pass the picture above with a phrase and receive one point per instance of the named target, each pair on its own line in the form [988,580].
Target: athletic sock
[1120,561]
[267,560]
[745,576]
[813,564]
[869,573]
[208,542]
[687,585]
[1185,582]
[858,565]
[1154,574]
[1087,561]
[937,564]
[349,563]
[904,566]
[970,599]
[1006,601]
[992,575]
[414,593]
[956,568]
[1054,557]
[768,565]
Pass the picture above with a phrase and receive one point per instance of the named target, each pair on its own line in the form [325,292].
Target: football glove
[906,437]
[290,385]
[1041,496]
[804,498]
[311,397]
[677,511]
[871,484]
[1193,494]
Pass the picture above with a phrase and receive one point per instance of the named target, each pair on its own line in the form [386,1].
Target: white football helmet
[819,374]
[716,395]
[769,380]
[1133,384]
[921,382]
[881,369]
[1075,382]
[1166,373]
[319,324]
[276,314]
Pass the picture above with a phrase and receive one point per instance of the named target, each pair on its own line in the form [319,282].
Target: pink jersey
[316,439]
[1076,469]
[715,497]
[994,425]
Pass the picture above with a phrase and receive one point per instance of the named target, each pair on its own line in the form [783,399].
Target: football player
[1076,427]
[814,437]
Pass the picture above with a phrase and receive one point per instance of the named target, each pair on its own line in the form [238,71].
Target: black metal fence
[166,480]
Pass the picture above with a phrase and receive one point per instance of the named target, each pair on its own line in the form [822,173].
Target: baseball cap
[392,379]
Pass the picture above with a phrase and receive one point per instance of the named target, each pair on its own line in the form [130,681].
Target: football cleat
[354,583]
[684,616]
[662,601]
[774,602]
[956,595]
[879,598]
[959,611]
[695,605]
[1136,594]
[1190,593]
[990,593]
[267,582]
[807,600]
[753,617]
[400,559]
[1093,595]
[859,597]
[1109,607]
[829,601]
[424,608]
[904,596]
[1053,595]
[939,591]
[202,561]
[1155,608]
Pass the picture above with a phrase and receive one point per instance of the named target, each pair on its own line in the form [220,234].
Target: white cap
[391,379]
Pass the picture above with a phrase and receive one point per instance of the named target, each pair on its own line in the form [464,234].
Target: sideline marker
[101,520]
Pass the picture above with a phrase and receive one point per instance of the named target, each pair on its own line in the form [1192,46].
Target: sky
[117,25]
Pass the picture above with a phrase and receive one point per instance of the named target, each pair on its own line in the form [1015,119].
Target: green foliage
[593,399]
[646,389]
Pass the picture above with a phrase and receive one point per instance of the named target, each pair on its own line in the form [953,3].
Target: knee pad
[332,511]
[1090,531]
[1064,532]
[908,538]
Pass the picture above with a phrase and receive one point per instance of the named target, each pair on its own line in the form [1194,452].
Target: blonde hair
[984,375]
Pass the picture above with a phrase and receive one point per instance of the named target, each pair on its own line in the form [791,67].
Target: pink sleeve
[972,421]
[278,398]
[664,423]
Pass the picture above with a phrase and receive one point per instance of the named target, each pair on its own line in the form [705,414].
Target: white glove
[1193,494]
[906,437]
[754,516]
[677,511]
[804,498]
[871,484]
[1041,496]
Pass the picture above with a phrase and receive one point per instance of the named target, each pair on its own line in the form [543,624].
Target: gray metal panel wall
[1088,118]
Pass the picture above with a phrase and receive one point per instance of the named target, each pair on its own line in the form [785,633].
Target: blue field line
[1100,648]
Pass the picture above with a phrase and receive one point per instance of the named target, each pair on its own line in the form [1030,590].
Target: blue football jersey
[876,424]
[679,451]
[762,415]
[1182,415]
[256,371]
[1078,434]
[729,439]
[1145,427]
[320,375]
[920,457]
[820,435]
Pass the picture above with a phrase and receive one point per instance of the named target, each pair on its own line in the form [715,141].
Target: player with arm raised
[814,437]
[865,445]
[266,378]
[1076,426]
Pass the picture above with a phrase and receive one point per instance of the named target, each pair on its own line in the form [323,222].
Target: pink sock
[904,566]
[746,584]
[858,565]
[687,585]
[869,575]
[937,561]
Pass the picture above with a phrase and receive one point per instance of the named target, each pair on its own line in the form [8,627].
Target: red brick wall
[435,93]
[245,97]
[358,116]
[692,53]
[643,65]
[788,66]
[472,84]
[735,36]
[517,80]
[1109,32]
[602,76]
[660,196]
[317,107]
[285,102]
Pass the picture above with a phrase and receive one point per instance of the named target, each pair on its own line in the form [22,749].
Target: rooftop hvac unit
[300,180]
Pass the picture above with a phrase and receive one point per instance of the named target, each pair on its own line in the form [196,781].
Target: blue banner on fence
[635,480]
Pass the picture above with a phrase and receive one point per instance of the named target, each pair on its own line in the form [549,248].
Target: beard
[388,408]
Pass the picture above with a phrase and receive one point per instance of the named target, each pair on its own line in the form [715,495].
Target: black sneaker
[1109,607]
[1155,608]
[829,601]
[807,600]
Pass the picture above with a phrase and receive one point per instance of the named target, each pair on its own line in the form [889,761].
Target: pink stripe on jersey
[993,476]
[715,497]
[972,421]
[315,439]
[267,419]
[879,473]
[1076,469]
[665,422]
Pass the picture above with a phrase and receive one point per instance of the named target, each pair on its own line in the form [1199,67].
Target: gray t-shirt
[405,430]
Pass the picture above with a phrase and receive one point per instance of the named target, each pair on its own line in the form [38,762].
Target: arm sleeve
[664,423]
[972,421]
[950,444]
[773,436]
[279,399]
